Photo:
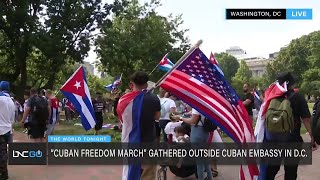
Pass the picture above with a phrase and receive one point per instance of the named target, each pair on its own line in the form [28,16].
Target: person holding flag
[55,115]
[76,90]
[197,81]
[137,110]
[282,90]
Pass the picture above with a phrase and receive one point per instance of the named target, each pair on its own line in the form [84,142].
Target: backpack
[315,122]
[208,126]
[279,116]
[39,110]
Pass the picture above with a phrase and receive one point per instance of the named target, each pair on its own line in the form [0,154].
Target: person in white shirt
[198,135]
[26,98]
[168,106]
[7,117]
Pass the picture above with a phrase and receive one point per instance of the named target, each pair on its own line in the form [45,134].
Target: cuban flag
[114,86]
[77,91]
[129,111]
[215,63]
[165,64]
[54,110]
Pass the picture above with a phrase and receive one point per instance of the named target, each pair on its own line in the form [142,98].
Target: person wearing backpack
[200,129]
[283,123]
[315,123]
[7,115]
[38,112]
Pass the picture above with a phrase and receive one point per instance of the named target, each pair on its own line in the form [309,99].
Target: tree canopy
[302,57]
[242,76]
[138,39]
[229,65]
[38,38]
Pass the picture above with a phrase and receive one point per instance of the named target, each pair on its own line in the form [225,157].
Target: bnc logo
[27,154]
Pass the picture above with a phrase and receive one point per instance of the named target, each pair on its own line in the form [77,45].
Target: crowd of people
[164,118]
[165,114]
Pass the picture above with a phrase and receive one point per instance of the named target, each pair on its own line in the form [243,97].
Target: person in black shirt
[300,112]
[150,112]
[248,100]
[99,106]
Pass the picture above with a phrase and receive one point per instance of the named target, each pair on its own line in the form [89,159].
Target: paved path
[82,172]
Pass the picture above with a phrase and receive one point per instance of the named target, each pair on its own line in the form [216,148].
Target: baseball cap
[5,85]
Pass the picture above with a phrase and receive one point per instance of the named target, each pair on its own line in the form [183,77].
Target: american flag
[198,82]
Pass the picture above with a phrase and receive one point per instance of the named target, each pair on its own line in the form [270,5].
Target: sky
[205,20]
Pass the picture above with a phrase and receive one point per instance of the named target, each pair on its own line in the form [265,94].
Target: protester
[38,111]
[99,106]
[7,116]
[168,106]
[300,113]
[169,129]
[18,107]
[129,107]
[198,135]
[248,100]
[26,98]
[55,115]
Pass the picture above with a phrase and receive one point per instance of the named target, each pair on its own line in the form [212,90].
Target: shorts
[158,129]
[37,131]
[99,118]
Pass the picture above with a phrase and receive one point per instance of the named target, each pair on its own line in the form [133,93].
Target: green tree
[229,65]
[242,76]
[68,32]
[138,39]
[97,84]
[61,30]
[302,57]
[19,21]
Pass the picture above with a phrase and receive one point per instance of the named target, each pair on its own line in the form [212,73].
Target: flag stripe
[176,75]
[211,98]
[85,111]
[208,110]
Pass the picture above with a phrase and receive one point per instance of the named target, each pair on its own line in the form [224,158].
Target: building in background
[237,52]
[273,55]
[257,65]
[89,68]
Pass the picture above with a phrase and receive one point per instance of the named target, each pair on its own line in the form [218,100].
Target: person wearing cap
[301,113]
[7,116]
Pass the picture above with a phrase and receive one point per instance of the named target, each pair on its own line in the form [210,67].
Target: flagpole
[179,61]
[154,69]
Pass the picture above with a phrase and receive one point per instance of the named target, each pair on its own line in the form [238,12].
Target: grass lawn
[65,128]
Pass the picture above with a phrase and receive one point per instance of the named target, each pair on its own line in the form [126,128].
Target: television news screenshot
[159,89]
